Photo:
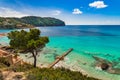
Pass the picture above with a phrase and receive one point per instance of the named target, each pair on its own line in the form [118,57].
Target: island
[29,22]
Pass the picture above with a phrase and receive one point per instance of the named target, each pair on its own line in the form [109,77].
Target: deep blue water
[82,31]
[79,30]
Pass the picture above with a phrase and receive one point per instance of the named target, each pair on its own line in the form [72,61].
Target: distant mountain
[29,22]
[42,21]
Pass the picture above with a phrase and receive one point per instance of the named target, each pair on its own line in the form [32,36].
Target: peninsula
[29,22]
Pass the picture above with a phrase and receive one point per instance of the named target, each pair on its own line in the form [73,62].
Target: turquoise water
[87,41]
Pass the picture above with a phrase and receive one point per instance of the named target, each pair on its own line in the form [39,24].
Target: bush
[2,65]
[4,61]
[17,77]
[1,76]
[56,74]
[21,68]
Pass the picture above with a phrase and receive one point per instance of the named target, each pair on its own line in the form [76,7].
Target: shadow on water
[74,30]
[75,33]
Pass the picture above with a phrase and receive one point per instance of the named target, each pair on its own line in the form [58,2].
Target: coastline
[60,64]
[89,45]
[3,34]
[72,67]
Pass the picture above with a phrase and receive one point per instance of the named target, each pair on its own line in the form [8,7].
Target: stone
[104,66]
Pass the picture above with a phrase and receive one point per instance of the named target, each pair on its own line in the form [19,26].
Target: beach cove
[87,41]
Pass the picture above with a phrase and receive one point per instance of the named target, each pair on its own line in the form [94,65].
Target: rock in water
[104,66]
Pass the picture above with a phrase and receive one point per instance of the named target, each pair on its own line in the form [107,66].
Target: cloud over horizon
[8,12]
[77,11]
[84,12]
[98,4]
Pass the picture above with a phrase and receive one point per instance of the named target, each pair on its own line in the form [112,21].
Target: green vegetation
[28,41]
[4,62]
[21,68]
[39,21]
[11,23]
[29,22]
[32,73]
[56,74]
[1,76]
[2,65]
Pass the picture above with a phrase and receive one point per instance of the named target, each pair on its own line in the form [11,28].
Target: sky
[73,12]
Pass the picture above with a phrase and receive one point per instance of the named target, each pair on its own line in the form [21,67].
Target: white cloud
[56,12]
[7,12]
[77,11]
[98,4]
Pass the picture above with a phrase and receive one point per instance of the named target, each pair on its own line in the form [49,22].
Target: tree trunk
[35,59]
[36,53]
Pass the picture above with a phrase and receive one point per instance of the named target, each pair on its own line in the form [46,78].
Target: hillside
[45,21]
[28,22]
[27,72]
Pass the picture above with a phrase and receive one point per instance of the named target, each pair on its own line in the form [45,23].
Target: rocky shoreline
[61,64]
[106,65]
[3,34]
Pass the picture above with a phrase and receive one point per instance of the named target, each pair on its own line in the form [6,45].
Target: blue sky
[75,12]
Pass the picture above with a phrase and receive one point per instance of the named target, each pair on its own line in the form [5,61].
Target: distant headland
[28,22]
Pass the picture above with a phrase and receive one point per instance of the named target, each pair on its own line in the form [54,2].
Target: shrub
[21,68]
[17,77]
[1,76]
[4,61]
[56,74]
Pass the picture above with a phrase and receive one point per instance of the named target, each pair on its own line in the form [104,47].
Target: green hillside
[28,22]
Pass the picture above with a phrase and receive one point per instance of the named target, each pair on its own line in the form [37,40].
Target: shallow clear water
[101,41]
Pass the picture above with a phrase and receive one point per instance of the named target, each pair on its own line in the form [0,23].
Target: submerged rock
[106,65]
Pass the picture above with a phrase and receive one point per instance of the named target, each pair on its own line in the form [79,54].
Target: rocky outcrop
[106,65]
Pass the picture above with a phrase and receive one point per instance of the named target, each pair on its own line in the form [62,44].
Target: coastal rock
[8,49]
[100,60]
[106,65]
[102,65]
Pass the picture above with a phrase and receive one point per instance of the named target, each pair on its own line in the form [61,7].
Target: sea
[102,41]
